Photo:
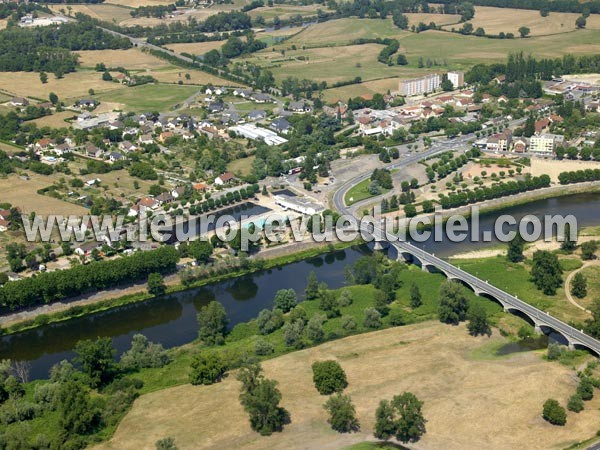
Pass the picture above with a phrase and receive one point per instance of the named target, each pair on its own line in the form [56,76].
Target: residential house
[187,136]
[164,136]
[225,178]
[116,156]
[19,101]
[259,97]
[280,125]
[62,149]
[178,192]
[200,187]
[115,125]
[127,146]
[86,103]
[542,125]
[4,225]
[92,151]
[149,202]
[215,107]
[257,114]
[87,248]
[520,145]
[44,144]
[145,139]
[165,197]
[300,107]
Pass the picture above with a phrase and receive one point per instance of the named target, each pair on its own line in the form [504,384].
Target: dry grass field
[438,19]
[105,12]
[286,11]
[496,20]
[357,90]
[196,48]
[71,86]
[131,59]
[56,120]
[138,3]
[23,193]
[471,401]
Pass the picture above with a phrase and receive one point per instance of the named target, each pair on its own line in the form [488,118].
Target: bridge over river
[543,322]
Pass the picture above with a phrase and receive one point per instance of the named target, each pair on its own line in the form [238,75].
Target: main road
[542,321]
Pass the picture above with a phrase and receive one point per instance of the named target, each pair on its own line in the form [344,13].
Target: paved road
[540,318]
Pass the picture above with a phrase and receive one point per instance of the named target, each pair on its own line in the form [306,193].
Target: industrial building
[255,133]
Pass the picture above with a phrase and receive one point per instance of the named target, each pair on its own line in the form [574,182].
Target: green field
[150,97]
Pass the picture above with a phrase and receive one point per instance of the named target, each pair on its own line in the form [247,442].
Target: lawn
[241,166]
[150,97]
[360,192]
[196,48]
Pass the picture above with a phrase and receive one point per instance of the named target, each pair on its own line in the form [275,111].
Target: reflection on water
[524,345]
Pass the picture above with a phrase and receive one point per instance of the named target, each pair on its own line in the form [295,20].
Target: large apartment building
[418,86]
[545,143]
[457,79]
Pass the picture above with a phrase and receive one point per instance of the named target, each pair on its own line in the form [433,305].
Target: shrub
[263,347]
[345,298]
[585,389]
[554,413]
[207,368]
[329,377]
[144,354]
[314,328]
[575,403]
[342,414]
[372,318]
[555,351]
[348,323]
[269,321]
[397,318]
[299,313]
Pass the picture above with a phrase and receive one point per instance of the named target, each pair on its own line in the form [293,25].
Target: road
[510,302]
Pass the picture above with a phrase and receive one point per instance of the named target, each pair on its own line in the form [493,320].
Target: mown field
[286,11]
[437,362]
[496,20]
[150,97]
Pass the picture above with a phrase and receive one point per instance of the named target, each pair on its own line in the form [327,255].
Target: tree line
[52,286]
[48,49]
[573,6]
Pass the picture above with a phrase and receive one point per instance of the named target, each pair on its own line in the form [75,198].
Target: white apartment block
[545,143]
[418,86]
[457,79]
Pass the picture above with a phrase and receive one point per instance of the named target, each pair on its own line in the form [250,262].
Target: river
[172,322]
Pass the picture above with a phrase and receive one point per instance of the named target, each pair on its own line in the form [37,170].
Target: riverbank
[102,301]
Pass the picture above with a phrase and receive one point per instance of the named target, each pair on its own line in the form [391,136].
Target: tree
[546,272]
[74,405]
[524,31]
[97,360]
[144,354]
[415,296]
[585,389]
[345,298]
[213,321]
[579,285]
[106,76]
[453,303]
[329,377]
[515,249]
[292,333]
[568,244]
[43,77]
[167,443]
[268,321]
[200,250]
[207,368]
[285,300]
[372,318]
[575,403]
[554,413]
[156,284]
[401,60]
[342,414]
[447,85]
[314,328]
[53,98]
[312,286]
[581,22]
[478,320]
[328,303]
[260,399]
[588,249]
[401,418]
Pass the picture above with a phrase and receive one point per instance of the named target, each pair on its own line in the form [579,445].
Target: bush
[575,403]
[554,413]
[397,318]
[285,300]
[342,414]
[345,298]
[585,389]
[268,321]
[314,328]
[299,313]
[372,318]
[144,354]
[555,351]
[348,323]
[263,348]
[167,443]
[329,377]
[207,368]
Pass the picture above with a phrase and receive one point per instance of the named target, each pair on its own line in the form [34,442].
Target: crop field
[437,362]
[496,20]
[367,88]
[56,120]
[150,97]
